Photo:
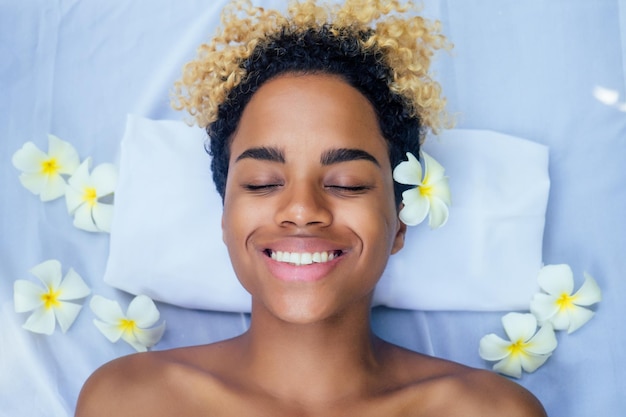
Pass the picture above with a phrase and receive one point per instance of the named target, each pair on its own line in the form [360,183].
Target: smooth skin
[309,172]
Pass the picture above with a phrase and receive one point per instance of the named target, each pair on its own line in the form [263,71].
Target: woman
[308,115]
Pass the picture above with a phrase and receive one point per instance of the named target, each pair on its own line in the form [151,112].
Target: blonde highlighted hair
[405,42]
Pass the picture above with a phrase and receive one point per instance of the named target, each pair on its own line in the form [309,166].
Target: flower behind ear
[431,195]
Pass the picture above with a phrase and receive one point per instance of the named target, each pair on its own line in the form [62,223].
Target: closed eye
[260,187]
[344,189]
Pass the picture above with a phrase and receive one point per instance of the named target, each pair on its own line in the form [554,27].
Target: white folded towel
[166,239]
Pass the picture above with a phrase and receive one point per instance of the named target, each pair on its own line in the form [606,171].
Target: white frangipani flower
[132,327]
[84,194]
[559,306]
[431,194]
[52,302]
[41,172]
[525,349]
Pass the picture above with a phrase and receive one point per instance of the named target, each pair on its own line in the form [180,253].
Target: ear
[398,240]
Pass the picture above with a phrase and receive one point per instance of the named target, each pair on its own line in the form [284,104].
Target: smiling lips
[301,266]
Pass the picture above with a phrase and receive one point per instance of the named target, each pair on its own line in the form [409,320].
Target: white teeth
[306,258]
[302,258]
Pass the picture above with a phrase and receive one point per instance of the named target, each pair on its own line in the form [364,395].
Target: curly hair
[387,60]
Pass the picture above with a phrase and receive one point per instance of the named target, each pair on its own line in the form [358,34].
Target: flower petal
[493,347]
[53,189]
[65,153]
[26,296]
[143,311]
[589,293]
[519,326]
[34,182]
[83,219]
[104,179]
[73,287]
[103,216]
[578,317]
[433,171]
[132,340]
[41,321]
[441,190]
[415,208]
[511,366]
[150,337]
[66,313]
[408,172]
[73,199]
[49,272]
[543,342]
[544,307]
[556,279]
[110,331]
[530,363]
[561,320]
[80,178]
[438,213]
[106,310]
[28,158]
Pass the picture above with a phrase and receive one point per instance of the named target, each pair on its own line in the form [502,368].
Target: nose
[304,205]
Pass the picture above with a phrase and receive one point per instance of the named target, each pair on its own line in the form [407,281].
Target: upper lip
[302,244]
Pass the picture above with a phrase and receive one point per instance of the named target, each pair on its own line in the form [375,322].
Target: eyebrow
[263,153]
[335,156]
[329,157]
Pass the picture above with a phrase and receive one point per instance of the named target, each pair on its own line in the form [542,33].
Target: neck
[327,360]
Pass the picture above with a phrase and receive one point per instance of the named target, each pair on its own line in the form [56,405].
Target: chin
[308,309]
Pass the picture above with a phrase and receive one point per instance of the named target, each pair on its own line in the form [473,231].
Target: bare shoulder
[485,393]
[442,387]
[150,384]
[115,387]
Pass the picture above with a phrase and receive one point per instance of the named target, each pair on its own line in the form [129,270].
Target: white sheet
[528,69]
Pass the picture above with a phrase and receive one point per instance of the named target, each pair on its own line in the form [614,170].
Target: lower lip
[300,273]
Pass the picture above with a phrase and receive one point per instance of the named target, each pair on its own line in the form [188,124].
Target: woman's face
[309,216]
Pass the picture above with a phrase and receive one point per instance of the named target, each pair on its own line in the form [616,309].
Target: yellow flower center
[90,196]
[426,190]
[127,325]
[50,166]
[565,301]
[51,298]
[518,348]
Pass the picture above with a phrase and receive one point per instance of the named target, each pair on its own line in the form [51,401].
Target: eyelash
[339,189]
[357,189]
[262,187]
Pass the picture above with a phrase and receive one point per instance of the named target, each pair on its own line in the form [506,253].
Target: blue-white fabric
[525,69]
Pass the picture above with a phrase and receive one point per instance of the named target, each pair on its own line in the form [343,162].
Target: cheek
[236,222]
[376,223]
[235,230]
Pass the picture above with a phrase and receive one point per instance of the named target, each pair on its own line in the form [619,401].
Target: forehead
[300,113]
